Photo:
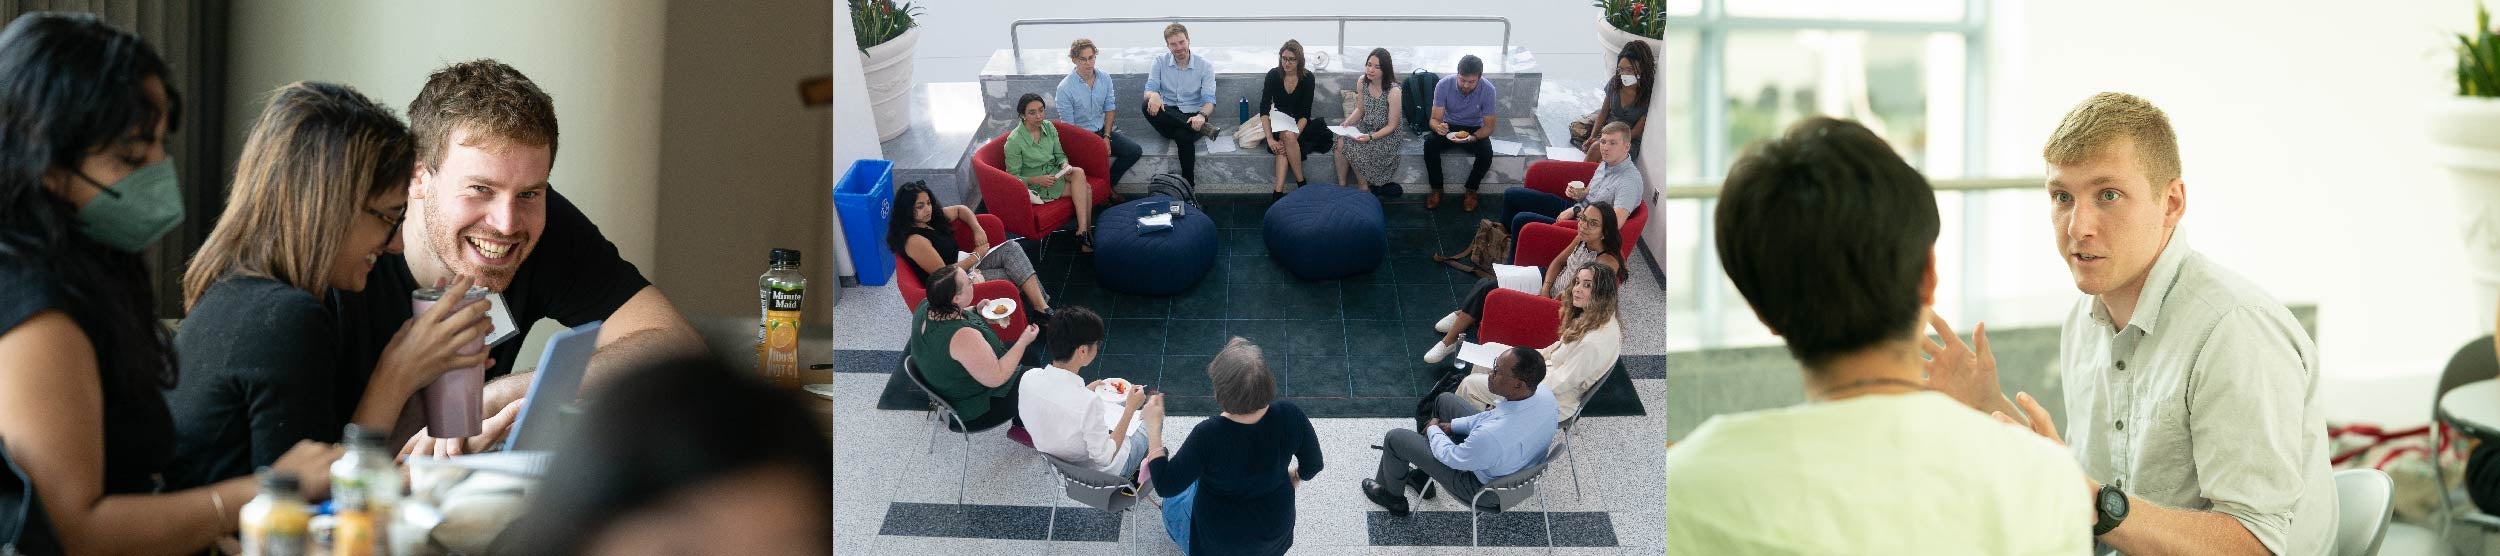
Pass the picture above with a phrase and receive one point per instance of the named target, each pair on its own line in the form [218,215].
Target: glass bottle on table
[368,476]
[781,293]
[277,522]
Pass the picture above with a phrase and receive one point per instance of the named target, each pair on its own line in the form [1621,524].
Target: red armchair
[1003,194]
[1520,319]
[1539,243]
[908,278]
[1551,176]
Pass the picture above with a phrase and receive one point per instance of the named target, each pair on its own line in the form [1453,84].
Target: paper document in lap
[1481,355]
[1345,130]
[1523,279]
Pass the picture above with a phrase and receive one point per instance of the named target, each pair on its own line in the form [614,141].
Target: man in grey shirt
[1617,180]
[2191,394]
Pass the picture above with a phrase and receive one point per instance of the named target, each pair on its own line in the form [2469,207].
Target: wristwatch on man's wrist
[2110,508]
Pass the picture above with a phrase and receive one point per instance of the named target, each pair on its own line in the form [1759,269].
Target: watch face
[2113,503]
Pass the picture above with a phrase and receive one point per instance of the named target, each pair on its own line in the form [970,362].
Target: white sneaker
[1447,321]
[1440,352]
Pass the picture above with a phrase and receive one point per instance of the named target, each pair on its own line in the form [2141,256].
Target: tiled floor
[1345,347]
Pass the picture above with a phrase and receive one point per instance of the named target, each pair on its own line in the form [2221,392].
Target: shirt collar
[2157,284]
[1175,63]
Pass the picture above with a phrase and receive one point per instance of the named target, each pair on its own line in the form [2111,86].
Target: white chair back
[2364,501]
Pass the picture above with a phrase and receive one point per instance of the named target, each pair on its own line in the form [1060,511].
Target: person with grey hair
[1242,463]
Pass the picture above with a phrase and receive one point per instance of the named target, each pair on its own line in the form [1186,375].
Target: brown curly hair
[484,96]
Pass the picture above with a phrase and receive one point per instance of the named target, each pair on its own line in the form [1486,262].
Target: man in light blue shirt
[1464,448]
[1085,100]
[1179,88]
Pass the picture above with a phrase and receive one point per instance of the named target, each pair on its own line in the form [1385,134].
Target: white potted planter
[887,69]
[2465,133]
[1615,39]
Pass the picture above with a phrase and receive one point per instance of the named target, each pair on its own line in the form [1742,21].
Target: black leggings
[1474,304]
[2482,476]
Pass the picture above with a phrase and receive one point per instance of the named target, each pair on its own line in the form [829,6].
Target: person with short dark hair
[684,457]
[1464,447]
[1236,473]
[1463,118]
[1831,237]
[1067,416]
[1180,93]
[961,357]
[1084,100]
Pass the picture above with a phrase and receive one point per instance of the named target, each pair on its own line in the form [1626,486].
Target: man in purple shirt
[1462,118]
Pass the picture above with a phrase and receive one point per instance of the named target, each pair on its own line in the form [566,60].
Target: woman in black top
[924,234]
[1289,90]
[85,185]
[316,198]
[1236,473]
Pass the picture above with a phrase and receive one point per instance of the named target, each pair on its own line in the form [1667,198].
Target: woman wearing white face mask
[85,184]
[1627,97]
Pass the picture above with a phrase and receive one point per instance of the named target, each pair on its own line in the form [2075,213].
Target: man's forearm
[2152,530]
[639,348]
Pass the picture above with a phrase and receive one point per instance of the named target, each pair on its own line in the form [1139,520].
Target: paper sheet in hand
[1506,148]
[1481,355]
[1345,130]
[519,463]
[1220,147]
[961,255]
[1523,279]
[1277,121]
[500,316]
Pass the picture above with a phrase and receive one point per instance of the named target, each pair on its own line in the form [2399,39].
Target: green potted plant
[887,33]
[1620,22]
[2465,128]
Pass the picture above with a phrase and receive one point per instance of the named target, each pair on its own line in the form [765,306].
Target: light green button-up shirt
[1028,156]
[2207,400]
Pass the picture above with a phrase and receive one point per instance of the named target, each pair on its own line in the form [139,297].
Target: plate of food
[998,309]
[1115,389]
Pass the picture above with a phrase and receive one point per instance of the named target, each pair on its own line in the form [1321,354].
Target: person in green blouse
[1033,155]
[961,358]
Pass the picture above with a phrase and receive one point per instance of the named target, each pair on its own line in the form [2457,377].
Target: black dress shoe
[1274,196]
[1394,502]
[1421,483]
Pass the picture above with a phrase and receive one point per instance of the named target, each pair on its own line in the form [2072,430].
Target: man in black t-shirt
[481,206]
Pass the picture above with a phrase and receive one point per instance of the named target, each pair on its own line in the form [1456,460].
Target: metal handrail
[1705,190]
[1015,42]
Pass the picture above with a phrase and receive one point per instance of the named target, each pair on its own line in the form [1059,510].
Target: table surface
[2475,406]
[732,340]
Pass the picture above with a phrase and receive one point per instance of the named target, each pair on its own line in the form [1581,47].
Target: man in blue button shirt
[1179,89]
[1464,449]
[1085,100]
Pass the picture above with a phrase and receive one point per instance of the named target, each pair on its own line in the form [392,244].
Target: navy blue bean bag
[1155,263]
[1325,232]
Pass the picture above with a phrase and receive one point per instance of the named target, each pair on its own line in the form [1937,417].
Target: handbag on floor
[1491,246]
[1174,186]
[1580,129]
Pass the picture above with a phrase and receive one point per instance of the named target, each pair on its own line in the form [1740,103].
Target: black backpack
[1419,99]
[1174,186]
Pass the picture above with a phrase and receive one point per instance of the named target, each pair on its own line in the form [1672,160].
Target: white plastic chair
[2364,499]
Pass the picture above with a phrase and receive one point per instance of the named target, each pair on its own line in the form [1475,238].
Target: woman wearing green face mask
[84,185]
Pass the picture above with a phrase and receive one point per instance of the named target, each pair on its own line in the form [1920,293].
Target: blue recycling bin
[864,198]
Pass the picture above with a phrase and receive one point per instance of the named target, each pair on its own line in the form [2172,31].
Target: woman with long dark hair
[1372,155]
[1627,96]
[924,234]
[85,186]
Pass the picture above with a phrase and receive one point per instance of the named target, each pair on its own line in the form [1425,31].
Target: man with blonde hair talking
[2192,395]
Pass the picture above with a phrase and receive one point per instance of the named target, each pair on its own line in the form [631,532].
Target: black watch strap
[2109,507]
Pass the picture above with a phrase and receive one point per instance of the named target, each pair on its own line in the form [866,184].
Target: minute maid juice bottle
[781,291]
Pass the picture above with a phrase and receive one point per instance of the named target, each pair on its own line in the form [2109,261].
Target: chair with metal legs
[1570,428]
[2475,361]
[1512,490]
[945,415]
[1095,489]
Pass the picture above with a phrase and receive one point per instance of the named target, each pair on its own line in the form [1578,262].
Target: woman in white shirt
[1591,341]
